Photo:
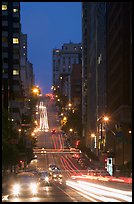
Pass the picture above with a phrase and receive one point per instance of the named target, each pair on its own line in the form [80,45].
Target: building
[93,68]
[85,8]
[26,72]
[119,79]
[63,59]
[12,92]
[76,84]
[27,75]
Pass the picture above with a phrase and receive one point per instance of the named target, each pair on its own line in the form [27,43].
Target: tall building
[12,91]
[63,59]
[26,72]
[85,8]
[93,67]
[76,84]
[27,75]
[119,77]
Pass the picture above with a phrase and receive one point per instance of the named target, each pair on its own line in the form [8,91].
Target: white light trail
[43,117]
[99,192]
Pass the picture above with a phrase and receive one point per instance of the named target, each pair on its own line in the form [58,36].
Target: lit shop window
[4,7]
[15,10]
[15,40]
[15,72]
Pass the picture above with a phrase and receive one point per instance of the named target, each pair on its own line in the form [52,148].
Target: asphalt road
[50,149]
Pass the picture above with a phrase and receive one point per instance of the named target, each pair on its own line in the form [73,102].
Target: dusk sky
[49,25]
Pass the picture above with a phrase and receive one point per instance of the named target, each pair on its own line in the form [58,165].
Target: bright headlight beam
[106,193]
[98,197]
[107,188]
[101,191]
[33,187]
[16,189]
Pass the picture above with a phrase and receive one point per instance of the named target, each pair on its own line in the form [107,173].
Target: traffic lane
[115,185]
[100,192]
[57,192]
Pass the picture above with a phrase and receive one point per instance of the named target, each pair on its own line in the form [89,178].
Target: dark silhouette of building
[11,82]
[76,84]
[119,77]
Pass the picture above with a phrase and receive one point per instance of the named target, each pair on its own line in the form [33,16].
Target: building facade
[119,78]
[76,84]
[12,91]
[63,59]
[93,68]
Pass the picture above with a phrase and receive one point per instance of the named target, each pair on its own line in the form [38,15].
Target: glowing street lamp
[93,135]
[33,134]
[95,140]
[71,130]
[105,118]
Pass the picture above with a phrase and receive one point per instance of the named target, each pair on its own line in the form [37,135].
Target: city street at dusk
[66,102]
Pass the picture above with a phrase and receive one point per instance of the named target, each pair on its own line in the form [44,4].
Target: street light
[19,132]
[93,136]
[101,138]
[71,130]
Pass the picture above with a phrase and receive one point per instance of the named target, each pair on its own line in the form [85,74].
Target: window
[4,39]
[4,7]
[16,51]
[15,40]
[15,72]
[15,10]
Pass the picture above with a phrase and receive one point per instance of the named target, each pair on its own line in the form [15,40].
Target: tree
[9,142]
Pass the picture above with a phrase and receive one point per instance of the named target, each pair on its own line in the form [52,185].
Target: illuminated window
[15,40]
[4,7]
[4,39]
[15,10]
[15,72]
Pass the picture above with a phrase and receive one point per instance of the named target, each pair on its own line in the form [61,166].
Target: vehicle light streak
[73,164]
[67,165]
[54,143]
[64,167]
[43,117]
[97,192]
[60,141]
[107,188]
[104,191]
[80,188]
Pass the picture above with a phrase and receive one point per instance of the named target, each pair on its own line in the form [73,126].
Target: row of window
[4,8]
[15,72]
[15,40]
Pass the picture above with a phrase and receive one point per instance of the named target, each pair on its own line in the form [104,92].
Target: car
[26,183]
[56,175]
[76,156]
[52,167]
[44,177]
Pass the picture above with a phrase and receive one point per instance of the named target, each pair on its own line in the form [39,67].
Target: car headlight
[54,175]
[33,187]
[46,179]
[16,189]
[60,175]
